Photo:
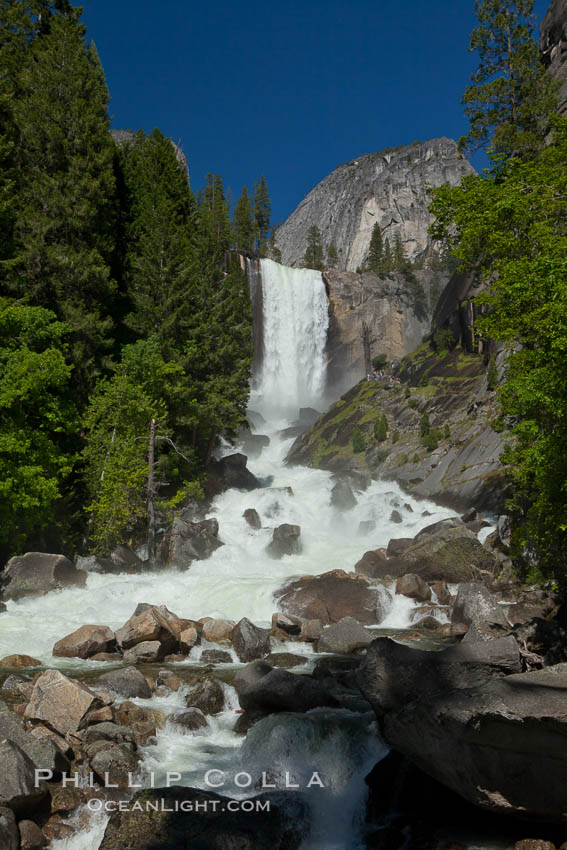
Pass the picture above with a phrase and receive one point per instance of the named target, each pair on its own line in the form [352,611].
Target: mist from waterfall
[295,320]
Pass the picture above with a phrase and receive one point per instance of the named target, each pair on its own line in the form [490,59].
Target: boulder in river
[151,625]
[373,564]
[285,541]
[330,597]
[37,573]
[192,541]
[280,690]
[342,496]
[476,606]
[125,560]
[396,517]
[40,749]
[85,642]
[60,702]
[218,631]
[207,696]
[500,745]
[18,788]
[127,682]
[392,675]
[230,471]
[190,720]
[116,765]
[146,652]
[252,517]
[250,641]
[199,824]
[96,564]
[17,662]
[414,587]
[344,637]
[9,835]
[251,674]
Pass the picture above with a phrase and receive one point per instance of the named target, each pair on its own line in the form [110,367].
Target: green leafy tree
[512,98]
[509,230]
[243,224]
[38,424]
[332,256]
[65,211]
[492,374]
[313,257]
[262,215]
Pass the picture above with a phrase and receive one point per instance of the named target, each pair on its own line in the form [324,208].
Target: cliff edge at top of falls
[459,467]
[390,188]
[553,46]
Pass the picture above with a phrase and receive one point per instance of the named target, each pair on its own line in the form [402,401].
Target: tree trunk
[211,445]
[366,346]
[151,493]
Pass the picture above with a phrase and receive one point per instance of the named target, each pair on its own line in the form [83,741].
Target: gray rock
[285,541]
[215,656]
[9,835]
[191,719]
[152,624]
[330,597]
[373,564]
[116,764]
[392,675]
[553,38]
[398,545]
[249,641]
[18,788]
[280,690]
[414,587]
[231,471]
[286,660]
[207,696]
[290,625]
[85,642]
[107,731]
[344,637]
[42,752]
[31,836]
[342,496]
[251,674]
[501,745]
[37,573]
[60,703]
[144,653]
[127,682]
[95,564]
[192,541]
[126,560]
[281,826]
[396,517]
[12,682]
[252,517]
[476,606]
[505,530]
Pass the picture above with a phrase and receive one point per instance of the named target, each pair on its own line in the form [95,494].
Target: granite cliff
[390,188]
[553,45]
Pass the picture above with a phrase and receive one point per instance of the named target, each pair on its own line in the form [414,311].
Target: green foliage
[492,374]
[332,256]
[512,98]
[381,428]
[443,340]
[381,455]
[510,229]
[424,426]
[430,441]
[407,391]
[38,421]
[395,436]
[380,361]
[313,257]
[376,251]
[273,249]
[358,441]
[214,220]
[262,215]
[447,432]
[243,223]
[413,403]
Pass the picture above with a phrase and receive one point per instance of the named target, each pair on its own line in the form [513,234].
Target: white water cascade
[240,578]
[295,324]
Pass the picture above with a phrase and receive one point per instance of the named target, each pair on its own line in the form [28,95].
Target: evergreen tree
[512,98]
[214,216]
[262,215]
[313,257]
[332,256]
[243,224]
[273,250]
[400,259]
[64,215]
[376,251]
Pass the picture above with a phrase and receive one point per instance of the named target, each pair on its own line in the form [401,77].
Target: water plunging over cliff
[295,320]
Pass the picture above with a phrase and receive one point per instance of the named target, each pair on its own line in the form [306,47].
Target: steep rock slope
[553,45]
[389,188]
[463,470]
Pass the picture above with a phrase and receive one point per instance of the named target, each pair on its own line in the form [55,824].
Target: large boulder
[192,541]
[285,541]
[60,703]
[152,624]
[146,652]
[41,750]
[250,641]
[37,573]
[476,606]
[414,587]
[230,471]
[330,597]
[344,637]
[446,551]
[280,690]
[127,682]
[204,820]
[85,642]
[96,564]
[18,662]
[501,745]
[392,675]
[373,564]
[116,765]
[218,631]
[342,496]
[19,790]
[252,517]
[207,696]
[125,560]
[9,835]
[251,674]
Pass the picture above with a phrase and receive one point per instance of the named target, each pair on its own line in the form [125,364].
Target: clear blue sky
[290,89]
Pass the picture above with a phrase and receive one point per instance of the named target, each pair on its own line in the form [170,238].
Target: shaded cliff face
[389,188]
[553,45]
[386,305]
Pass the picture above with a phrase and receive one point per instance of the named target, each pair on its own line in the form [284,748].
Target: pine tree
[273,250]
[400,259]
[213,214]
[262,215]
[243,225]
[332,256]
[376,250]
[313,257]
[65,213]
[512,98]
[388,259]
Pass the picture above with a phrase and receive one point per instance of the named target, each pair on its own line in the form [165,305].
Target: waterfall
[295,319]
